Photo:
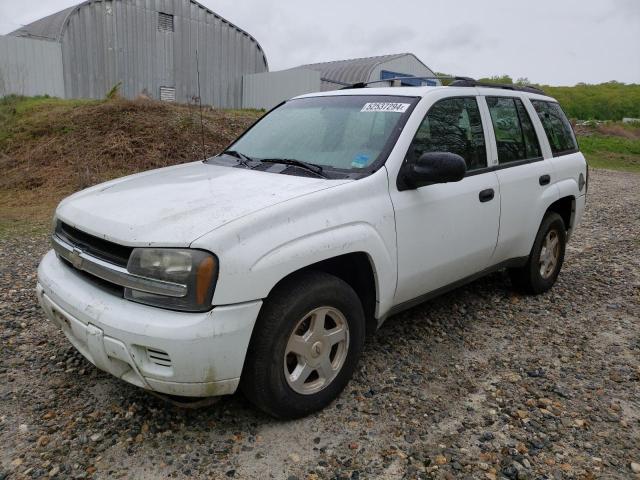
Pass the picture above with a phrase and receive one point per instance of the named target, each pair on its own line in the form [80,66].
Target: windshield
[342,132]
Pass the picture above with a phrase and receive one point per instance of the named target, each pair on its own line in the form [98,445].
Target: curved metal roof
[48,28]
[348,72]
[53,26]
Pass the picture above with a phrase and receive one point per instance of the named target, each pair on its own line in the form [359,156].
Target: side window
[530,137]
[556,126]
[515,136]
[452,125]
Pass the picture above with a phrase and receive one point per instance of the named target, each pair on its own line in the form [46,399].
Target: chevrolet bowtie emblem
[76,258]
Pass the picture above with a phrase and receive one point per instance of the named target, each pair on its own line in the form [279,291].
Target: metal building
[149,46]
[30,67]
[347,72]
[262,91]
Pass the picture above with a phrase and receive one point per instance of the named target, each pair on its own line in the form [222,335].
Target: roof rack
[457,82]
[470,82]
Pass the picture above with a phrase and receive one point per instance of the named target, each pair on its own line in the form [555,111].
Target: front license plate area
[60,318]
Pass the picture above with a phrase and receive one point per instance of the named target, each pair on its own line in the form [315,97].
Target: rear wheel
[546,258]
[305,345]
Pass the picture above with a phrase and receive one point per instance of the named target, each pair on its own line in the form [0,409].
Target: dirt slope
[50,148]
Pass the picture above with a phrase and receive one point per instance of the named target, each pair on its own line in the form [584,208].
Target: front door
[447,232]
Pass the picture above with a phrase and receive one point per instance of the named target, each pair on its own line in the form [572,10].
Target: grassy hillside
[605,101]
[50,147]
[612,146]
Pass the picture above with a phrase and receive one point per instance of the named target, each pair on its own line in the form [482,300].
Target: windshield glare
[343,132]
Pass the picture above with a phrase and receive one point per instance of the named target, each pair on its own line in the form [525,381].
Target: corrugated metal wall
[116,41]
[30,67]
[266,90]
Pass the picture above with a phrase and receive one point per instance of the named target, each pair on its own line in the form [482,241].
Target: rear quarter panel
[568,169]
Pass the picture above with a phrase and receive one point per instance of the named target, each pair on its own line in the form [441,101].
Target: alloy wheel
[316,350]
[549,254]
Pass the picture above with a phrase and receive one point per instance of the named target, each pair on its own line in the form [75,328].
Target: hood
[174,206]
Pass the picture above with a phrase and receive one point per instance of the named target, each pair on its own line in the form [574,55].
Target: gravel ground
[481,383]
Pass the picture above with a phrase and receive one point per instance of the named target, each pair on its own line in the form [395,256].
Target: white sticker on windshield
[386,107]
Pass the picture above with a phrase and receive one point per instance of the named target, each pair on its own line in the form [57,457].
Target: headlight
[195,269]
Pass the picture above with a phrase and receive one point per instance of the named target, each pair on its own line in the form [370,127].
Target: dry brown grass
[630,132]
[618,130]
[55,148]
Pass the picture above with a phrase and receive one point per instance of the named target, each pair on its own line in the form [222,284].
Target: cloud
[553,41]
[627,8]
[460,38]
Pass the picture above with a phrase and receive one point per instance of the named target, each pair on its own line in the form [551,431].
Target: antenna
[204,151]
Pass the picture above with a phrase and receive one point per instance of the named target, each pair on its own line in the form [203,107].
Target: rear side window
[452,125]
[516,138]
[557,127]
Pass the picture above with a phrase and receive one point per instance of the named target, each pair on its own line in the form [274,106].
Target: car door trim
[481,171]
[512,263]
[502,166]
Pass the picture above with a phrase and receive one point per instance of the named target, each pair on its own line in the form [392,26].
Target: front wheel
[546,258]
[305,345]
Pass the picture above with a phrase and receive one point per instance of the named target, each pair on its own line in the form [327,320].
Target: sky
[554,42]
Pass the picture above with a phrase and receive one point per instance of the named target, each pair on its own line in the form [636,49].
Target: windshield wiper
[311,167]
[245,160]
[242,158]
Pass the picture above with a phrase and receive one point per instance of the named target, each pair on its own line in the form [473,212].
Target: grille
[158,357]
[168,94]
[94,246]
[98,282]
[165,22]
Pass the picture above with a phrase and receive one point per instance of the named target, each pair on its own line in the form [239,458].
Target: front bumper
[176,353]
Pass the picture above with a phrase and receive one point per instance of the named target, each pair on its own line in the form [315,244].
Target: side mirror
[435,167]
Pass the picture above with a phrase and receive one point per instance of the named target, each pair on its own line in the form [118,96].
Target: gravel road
[481,383]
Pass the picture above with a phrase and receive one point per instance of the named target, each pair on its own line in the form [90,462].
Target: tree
[504,79]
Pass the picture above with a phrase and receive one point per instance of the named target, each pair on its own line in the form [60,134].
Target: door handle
[486,195]
[545,180]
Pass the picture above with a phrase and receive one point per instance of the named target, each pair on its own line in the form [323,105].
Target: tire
[534,277]
[295,318]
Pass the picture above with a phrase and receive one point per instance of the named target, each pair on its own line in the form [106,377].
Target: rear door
[523,175]
[447,232]
[568,162]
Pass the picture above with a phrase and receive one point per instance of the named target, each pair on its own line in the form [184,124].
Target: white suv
[263,268]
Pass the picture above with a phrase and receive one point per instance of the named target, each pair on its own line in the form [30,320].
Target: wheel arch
[566,208]
[357,269]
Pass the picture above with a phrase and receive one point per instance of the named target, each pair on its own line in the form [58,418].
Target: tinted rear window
[557,127]
[515,136]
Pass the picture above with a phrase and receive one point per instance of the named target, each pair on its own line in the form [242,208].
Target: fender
[259,250]
[357,237]
[548,197]
[564,188]
[568,188]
